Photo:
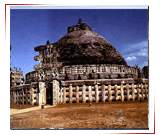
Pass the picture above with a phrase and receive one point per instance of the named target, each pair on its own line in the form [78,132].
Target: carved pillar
[77,95]
[42,93]
[55,92]
[103,93]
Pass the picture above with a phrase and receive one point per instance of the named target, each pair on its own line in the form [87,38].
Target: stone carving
[16,77]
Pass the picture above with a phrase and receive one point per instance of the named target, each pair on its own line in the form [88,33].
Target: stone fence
[103,90]
[80,91]
[32,94]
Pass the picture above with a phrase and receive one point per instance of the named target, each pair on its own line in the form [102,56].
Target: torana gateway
[81,67]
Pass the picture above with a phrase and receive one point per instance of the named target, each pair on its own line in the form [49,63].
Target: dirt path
[74,116]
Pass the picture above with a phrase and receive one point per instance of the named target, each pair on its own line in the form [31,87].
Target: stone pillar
[64,95]
[142,90]
[83,94]
[26,96]
[127,89]
[42,93]
[77,95]
[145,90]
[17,97]
[116,91]
[109,93]
[138,92]
[133,94]
[32,96]
[61,95]
[14,93]
[96,92]
[70,93]
[22,96]
[90,93]
[55,92]
[103,93]
[19,102]
[122,92]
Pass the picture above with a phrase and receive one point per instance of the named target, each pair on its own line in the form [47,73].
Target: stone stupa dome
[83,46]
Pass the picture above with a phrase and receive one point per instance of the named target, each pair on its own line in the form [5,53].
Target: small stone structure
[81,67]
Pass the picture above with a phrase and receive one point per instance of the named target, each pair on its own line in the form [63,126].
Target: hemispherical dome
[87,47]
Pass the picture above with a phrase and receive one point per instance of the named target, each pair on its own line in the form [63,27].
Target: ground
[106,115]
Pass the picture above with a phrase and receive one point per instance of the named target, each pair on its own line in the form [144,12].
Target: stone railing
[102,90]
[28,94]
[81,72]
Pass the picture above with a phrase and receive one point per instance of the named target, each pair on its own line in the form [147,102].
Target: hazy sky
[125,29]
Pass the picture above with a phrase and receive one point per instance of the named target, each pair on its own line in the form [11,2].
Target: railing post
[145,90]
[26,96]
[17,101]
[116,91]
[14,93]
[61,95]
[138,91]
[142,90]
[32,96]
[122,92]
[133,94]
[22,96]
[90,93]
[83,94]
[103,93]
[109,93]
[77,95]
[64,95]
[127,89]
[70,93]
[96,92]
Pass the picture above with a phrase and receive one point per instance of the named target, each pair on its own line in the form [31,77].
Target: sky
[125,29]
